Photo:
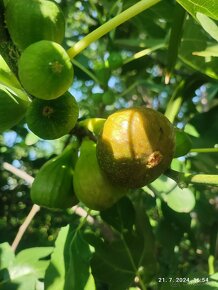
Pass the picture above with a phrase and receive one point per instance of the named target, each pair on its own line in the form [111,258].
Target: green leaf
[208,25]
[195,39]
[130,254]
[206,124]
[29,266]
[209,7]
[175,36]
[180,200]
[32,258]
[208,52]
[7,77]
[123,211]
[69,266]
[6,255]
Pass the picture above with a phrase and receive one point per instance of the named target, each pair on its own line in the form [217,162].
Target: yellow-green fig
[91,185]
[135,146]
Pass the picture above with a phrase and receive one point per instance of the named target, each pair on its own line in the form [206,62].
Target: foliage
[157,237]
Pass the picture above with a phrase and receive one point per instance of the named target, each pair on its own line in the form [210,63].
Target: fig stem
[110,25]
[204,150]
[86,71]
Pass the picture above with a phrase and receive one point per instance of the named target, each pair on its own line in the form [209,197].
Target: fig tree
[135,146]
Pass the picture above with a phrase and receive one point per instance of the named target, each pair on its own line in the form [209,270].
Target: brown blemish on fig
[154,159]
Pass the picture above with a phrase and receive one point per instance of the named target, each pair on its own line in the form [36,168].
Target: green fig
[183,143]
[108,98]
[135,146]
[53,184]
[29,21]
[45,70]
[91,186]
[115,60]
[52,119]
[13,106]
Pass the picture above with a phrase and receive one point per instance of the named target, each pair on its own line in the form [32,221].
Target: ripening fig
[135,146]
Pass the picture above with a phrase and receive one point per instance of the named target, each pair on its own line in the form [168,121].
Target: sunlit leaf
[208,25]
[69,266]
[195,39]
[209,7]
[29,266]
[180,200]
[7,255]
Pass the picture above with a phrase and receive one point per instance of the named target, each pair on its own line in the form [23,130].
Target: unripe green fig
[53,184]
[29,21]
[13,105]
[52,119]
[91,186]
[45,70]
[183,143]
[108,98]
[115,60]
[135,146]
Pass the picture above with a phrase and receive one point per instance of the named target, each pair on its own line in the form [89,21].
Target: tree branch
[35,208]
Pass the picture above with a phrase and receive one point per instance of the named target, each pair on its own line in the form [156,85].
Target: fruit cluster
[134,146]
[37,28]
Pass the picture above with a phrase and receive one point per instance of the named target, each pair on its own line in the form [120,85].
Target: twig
[18,172]
[35,208]
[105,229]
